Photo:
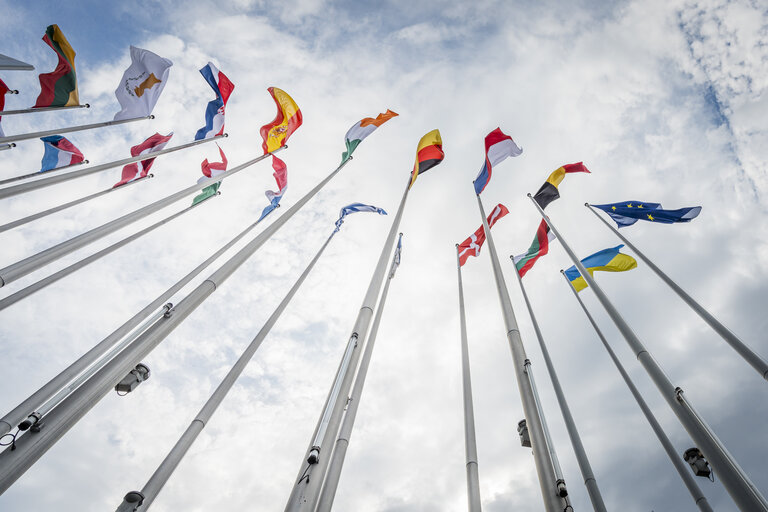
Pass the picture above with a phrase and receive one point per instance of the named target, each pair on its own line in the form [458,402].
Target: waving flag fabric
[498,147]
[59,152]
[609,260]
[131,172]
[281,177]
[429,153]
[142,83]
[629,212]
[211,170]
[354,208]
[214,112]
[362,129]
[548,191]
[59,87]
[396,259]
[471,246]
[3,91]
[540,246]
[288,119]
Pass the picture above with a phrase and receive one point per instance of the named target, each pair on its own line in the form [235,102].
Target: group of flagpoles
[39,285]
[13,463]
[40,109]
[553,492]
[758,363]
[470,443]
[312,471]
[60,178]
[677,461]
[36,261]
[578,447]
[744,493]
[70,129]
[38,173]
[136,501]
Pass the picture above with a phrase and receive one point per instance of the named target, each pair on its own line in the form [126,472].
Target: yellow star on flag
[629,205]
[650,217]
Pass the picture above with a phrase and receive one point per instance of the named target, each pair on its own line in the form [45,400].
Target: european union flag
[628,212]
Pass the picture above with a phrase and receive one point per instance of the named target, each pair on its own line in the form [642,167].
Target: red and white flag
[471,246]
[131,172]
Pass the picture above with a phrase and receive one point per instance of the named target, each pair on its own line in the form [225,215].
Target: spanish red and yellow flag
[288,119]
[429,153]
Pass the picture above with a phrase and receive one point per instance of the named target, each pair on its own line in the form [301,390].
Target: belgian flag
[548,191]
[429,153]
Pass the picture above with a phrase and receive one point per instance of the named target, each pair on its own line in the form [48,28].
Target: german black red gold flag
[429,153]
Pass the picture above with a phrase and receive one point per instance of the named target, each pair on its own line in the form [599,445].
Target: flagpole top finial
[529,194]
[586,204]
[85,162]
[150,175]
[562,271]
[151,116]
[457,245]
[87,105]
[225,135]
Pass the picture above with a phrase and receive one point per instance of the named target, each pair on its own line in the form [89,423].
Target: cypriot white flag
[142,83]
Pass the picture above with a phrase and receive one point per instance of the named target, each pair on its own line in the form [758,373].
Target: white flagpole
[41,109]
[70,129]
[39,173]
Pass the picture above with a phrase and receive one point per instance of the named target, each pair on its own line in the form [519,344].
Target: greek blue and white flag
[354,208]
[396,258]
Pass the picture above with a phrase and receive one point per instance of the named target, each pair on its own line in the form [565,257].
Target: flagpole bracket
[225,135]
[131,502]
[87,105]
[168,310]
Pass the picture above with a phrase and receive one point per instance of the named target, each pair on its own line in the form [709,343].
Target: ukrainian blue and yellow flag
[610,260]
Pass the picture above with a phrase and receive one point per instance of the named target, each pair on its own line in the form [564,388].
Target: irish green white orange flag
[361,130]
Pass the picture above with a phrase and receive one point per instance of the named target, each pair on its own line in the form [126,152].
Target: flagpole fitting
[168,310]
[225,135]
[150,176]
[314,455]
[13,91]
[529,194]
[131,502]
[32,420]
[87,105]
[586,204]
[86,162]
[151,116]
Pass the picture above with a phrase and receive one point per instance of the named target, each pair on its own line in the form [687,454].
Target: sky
[664,101]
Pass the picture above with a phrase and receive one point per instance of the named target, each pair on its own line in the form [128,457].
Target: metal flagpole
[7,146]
[70,129]
[39,260]
[39,285]
[305,492]
[53,180]
[136,501]
[677,461]
[757,362]
[45,213]
[38,173]
[578,447]
[29,448]
[552,491]
[22,410]
[737,483]
[41,109]
[328,493]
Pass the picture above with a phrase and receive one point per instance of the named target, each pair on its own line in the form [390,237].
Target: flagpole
[38,173]
[677,461]
[159,478]
[41,109]
[551,490]
[757,362]
[70,129]
[60,178]
[737,483]
[45,213]
[30,264]
[578,447]
[3,147]
[13,463]
[22,410]
[325,502]
[306,490]
[39,285]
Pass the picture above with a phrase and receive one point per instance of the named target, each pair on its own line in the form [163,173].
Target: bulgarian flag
[361,130]
[540,246]
[211,170]
[59,87]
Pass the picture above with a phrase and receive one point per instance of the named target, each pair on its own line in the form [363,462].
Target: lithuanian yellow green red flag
[59,87]
[429,153]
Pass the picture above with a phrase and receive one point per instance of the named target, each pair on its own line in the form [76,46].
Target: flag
[131,171]
[288,119]
[471,246]
[354,208]
[609,260]
[540,246]
[396,259]
[362,129]
[629,212]
[211,170]
[59,87]
[548,191]
[59,152]
[3,91]
[498,147]
[142,83]
[429,153]
[281,177]
[214,112]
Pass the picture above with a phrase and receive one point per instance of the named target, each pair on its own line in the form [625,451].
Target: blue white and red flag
[214,112]
[59,151]
[498,147]
[281,177]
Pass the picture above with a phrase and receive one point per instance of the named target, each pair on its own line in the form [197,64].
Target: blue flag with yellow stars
[628,212]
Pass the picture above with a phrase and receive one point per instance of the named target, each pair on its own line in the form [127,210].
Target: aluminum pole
[742,490]
[38,173]
[328,493]
[677,461]
[553,502]
[39,285]
[41,109]
[29,448]
[60,178]
[30,264]
[7,146]
[70,129]
[159,478]
[578,447]
[757,362]
[306,490]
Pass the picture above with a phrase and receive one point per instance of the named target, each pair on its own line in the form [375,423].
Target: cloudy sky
[664,101]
